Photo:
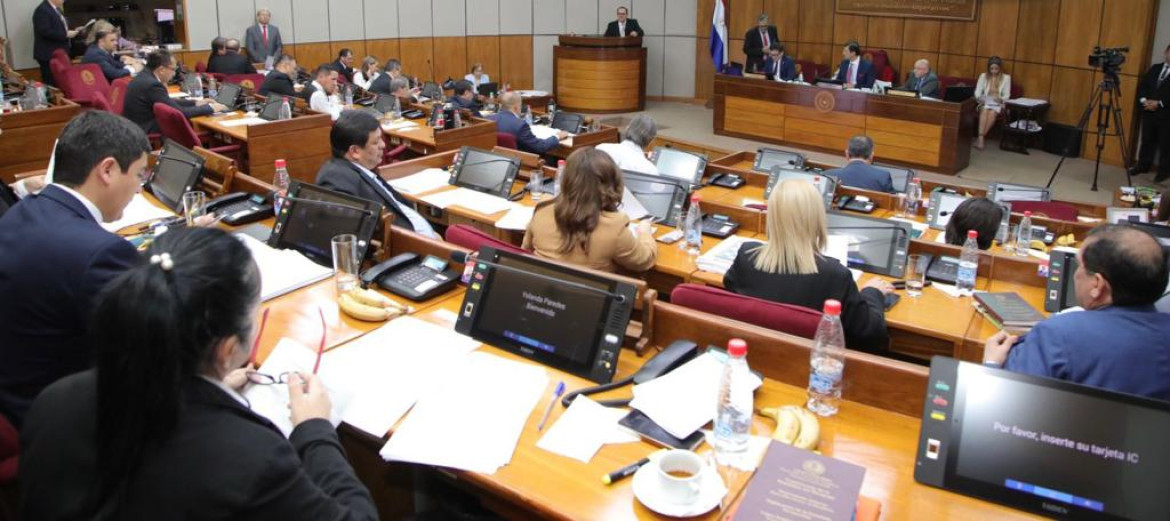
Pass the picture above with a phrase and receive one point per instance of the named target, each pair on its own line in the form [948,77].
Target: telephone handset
[241,208]
[674,355]
[407,276]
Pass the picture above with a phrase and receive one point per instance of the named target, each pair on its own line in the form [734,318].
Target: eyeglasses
[259,378]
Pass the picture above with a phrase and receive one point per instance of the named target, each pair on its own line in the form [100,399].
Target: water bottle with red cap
[733,414]
[827,364]
[281,182]
[1024,235]
[968,265]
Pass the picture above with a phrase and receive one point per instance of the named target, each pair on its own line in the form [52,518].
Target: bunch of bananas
[1066,240]
[369,305]
[795,426]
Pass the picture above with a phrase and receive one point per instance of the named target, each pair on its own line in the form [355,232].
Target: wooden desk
[423,140]
[28,136]
[605,134]
[303,142]
[600,75]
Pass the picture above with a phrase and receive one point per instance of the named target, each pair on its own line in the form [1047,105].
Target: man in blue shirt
[858,172]
[1120,342]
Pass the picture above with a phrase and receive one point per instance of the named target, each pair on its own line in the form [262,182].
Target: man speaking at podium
[624,25]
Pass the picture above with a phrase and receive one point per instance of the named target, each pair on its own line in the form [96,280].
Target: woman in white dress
[369,70]
[992,90]
[477,77]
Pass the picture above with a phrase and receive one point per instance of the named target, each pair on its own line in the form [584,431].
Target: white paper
[719,258]
[532,93]
[949,290]
[757,448]
[685,399]
[543,131]
[583,428]
[400,125]
[387,369]
[1027,102]
[138,211]
[469,199]
[941,238]
[517,218]
[271,401]
[425,181]
[837,247]
[179,95]
[242,122]
[473,417]
[282,271]
[631,206]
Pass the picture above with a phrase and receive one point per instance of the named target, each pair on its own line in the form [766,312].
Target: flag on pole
[719,36]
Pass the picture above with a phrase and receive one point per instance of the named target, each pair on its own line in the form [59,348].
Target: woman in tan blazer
[583,225]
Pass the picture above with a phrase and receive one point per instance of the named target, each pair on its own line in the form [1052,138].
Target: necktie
[264,29]
[764,37]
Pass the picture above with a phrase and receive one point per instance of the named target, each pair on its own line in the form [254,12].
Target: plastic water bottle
[280,181]
[913,197]
[285,110]
[552,109]
[693,232]
[348,95]
[397,108]
[197,86]
[733,414]
[527,114]
[968,264]
[1024,235]
[211,87]
[560,175]
[827,363]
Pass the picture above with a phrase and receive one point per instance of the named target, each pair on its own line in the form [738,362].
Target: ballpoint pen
[548,410]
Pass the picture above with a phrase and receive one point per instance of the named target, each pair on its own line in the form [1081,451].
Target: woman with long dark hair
[159,430]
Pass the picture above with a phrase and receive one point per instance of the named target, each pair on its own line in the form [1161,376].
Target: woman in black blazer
[159,430]
[790,269]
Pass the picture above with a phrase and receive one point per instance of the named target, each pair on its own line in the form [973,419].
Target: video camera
[1108,60]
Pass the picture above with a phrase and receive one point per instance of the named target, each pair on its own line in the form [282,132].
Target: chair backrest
[786,318]
[811,70]
[881,64]
[100,102]
[83,81]
[9,452]
[118,94]
[506,140]
[1050,209]
[58,68]
[174,125]
[200,67]
[1016,90]
[472,238]
[250,82]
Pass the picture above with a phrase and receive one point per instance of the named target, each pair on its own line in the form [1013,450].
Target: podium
[599,75]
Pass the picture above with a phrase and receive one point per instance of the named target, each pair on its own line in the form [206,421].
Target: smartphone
[650,431]
[671,238]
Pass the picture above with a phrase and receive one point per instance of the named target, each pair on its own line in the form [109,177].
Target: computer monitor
[164,15]
[486,172]
[431,90]
[177,171]
[385,103]
[680,164]
[1160,232]
[898,175]
[1044,445]
[997,191]
[487,89]
[1114,215]
[311,216]
[568,121]
[826,184]
[663,197]
[942,207]
[766,158]
[229,95]
[271,109]
[550,313]
[875,245]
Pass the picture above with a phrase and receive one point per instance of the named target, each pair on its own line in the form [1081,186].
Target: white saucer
[647,490]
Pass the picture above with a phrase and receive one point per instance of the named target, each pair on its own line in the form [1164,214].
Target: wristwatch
[993,363]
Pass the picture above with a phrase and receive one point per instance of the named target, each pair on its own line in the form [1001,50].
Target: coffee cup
[680,473]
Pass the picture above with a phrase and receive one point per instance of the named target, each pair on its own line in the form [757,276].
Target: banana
[787,424]
[810,429]
[1066,240]
[361,311]
[1036,244]
[372,298]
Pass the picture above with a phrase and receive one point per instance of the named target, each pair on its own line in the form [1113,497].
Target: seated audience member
[101,53]
[922,80]
[391,72]
[778,65]
[324,97]
[790,269]
[509,121]
[854,71]
[232,61]
[584,225]
[858,171]
[344,64]
[218,48]
[477,77]
[368,73]
[630,154]
[465,97]
[57,257]
[160,425]
[991,91]
[400,87]
[979,214]
[281,80]
[1119,341]
[151,87]
[358,147]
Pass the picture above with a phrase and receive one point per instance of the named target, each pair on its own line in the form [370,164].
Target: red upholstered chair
[786,318]
[1050,209]
[175,127]
[201,67]
[811,70]
[58,69]
[117,96]
[1016,90]
[506,140]
[250,82]
[882,70]
[100,102]
[472,238]
[391,155]
[61,54]
[82,81]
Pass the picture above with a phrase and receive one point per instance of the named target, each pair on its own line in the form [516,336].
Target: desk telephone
[858,203]
[719,226]
[407,276]
[727,180]
[241,208]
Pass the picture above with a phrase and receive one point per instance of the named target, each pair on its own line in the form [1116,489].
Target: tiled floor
[693,123]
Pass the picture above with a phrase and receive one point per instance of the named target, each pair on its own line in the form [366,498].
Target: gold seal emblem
[825,101]
[87,77]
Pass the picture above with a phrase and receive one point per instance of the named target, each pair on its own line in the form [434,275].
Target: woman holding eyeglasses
[159,429]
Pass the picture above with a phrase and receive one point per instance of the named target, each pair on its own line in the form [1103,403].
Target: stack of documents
[469,199]
[517,218]
[472,418]
[632,207]
[720,258]
[271,401]
[282,271]
[138,211]
[583,428]
[243,122]
[425,181]
[684,400]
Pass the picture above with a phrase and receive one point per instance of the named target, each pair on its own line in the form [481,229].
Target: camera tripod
[1105,101]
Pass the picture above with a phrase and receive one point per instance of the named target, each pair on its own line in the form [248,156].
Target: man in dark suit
[510,122]
[231,61]
[757,41]
[263,39]
[854,71]
[1154,95]
[778,65]
[101,54]
[922,80]
[344,64]
[57,256]
[358,147]
[623,26]
[465,97]
[280,80]
[50,32]
[150,87]
[858,171]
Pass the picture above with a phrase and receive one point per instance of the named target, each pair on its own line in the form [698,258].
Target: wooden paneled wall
[1044,44]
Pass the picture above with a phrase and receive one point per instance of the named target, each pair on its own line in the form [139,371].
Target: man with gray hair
[858,171]
[263,38]
[757,41]
[509,121]
[630,154]
[922,80]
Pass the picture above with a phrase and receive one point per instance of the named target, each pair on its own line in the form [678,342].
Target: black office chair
[569,122]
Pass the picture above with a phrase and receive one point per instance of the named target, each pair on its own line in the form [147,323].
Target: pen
[256,343]
[321,346]
[548,410]
[627,470]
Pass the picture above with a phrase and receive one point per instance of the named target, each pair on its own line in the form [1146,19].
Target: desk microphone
[1042,192]
[463,258]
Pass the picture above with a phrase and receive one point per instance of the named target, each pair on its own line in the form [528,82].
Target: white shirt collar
[318,87]
[230,392]
[634,148]
[93,209]
[855,61]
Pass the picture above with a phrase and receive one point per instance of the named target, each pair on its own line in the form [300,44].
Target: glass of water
[915,274]
[345,262]
[194,206]
[536,185]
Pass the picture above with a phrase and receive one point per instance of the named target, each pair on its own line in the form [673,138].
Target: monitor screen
[1160,232]
[766,158]
[1010,438]
[1012,192]
[177,171]
[942,207]
[1114,215]
[309,227]
[898,175]
[826,184]
[228,95]
[271,109]
[164,15]
[875,245]
[680,164]
[662,197]
[484,171]
[568,122]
